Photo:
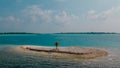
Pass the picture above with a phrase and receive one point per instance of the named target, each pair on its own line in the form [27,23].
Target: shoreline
[63,52]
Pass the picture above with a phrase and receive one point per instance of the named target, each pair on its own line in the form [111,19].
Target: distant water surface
[64,39]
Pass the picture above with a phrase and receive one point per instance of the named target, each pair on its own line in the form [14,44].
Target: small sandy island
[66,52]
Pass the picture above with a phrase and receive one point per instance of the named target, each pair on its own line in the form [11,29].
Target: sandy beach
[63,52]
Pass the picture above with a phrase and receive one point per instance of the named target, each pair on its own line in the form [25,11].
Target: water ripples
[11,59]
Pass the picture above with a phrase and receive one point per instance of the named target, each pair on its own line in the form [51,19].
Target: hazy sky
[46,16]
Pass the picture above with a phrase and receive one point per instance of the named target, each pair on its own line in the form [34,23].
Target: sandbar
[65,52]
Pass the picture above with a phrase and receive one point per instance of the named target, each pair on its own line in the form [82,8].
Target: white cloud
[36,14]
[104,15]
[107,20]
[91,12]
[64,17]
[10,18]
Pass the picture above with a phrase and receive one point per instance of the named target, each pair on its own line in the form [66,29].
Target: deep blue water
[9,58]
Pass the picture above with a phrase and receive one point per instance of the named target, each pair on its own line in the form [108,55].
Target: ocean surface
[11,59]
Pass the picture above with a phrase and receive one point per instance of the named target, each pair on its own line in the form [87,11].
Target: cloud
[37,14]
[10,18]
[107,20]
[64,17]
[104,15]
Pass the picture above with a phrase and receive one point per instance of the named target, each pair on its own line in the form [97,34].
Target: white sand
[69,52]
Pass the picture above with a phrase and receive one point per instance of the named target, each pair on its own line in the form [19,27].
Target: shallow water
[9,58]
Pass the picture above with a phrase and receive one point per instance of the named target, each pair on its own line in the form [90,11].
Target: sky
[51,16]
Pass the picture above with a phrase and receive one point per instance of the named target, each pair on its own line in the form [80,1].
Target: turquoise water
[12,59]
[64,39]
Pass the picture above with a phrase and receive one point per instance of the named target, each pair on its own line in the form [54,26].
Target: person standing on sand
[57,44]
